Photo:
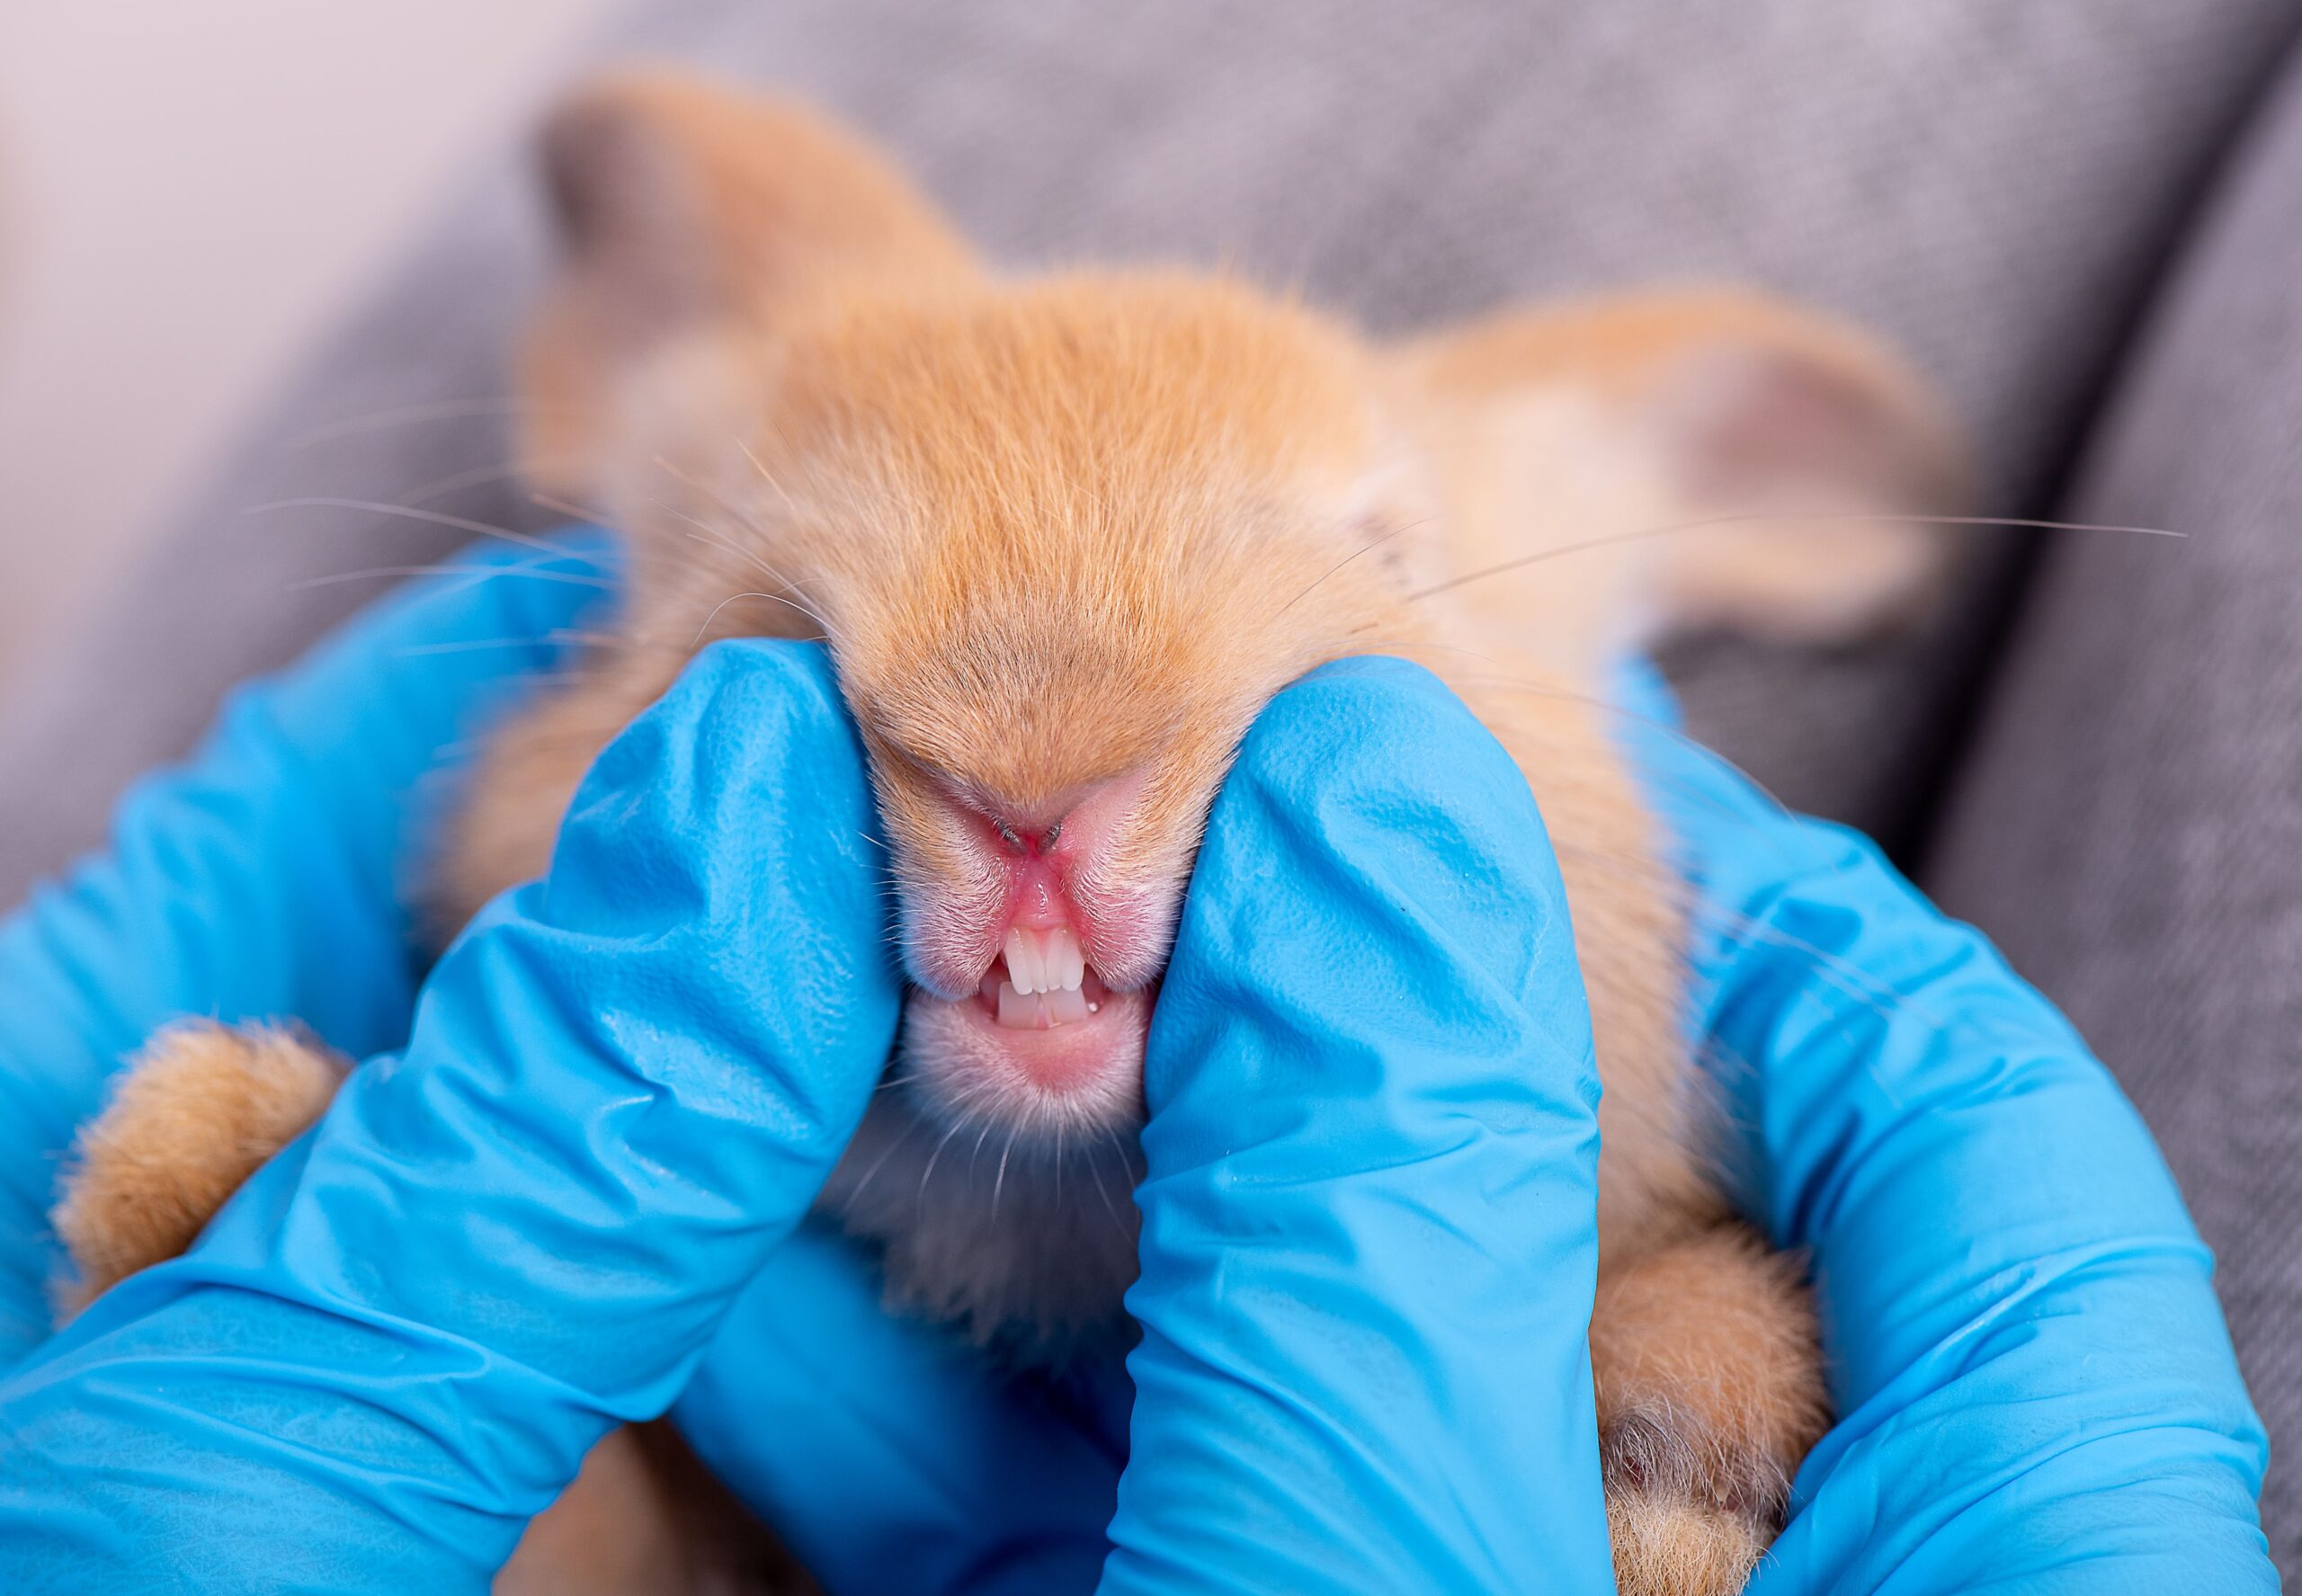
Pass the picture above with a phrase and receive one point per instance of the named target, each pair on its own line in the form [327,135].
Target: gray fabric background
[2126,823]
[1996,186]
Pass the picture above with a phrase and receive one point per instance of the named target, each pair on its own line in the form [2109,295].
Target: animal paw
[195,1114]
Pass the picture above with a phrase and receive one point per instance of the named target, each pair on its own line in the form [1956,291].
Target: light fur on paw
[195,1114]
[1666,1545]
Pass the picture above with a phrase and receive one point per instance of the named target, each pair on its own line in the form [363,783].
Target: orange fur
[1709,1387]
[1570,426]
[1065,530]
[194,1116]
[645,1517]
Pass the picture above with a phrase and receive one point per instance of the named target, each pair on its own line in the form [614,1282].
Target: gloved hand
[623,1086]
[1368,1234]
[416,1231]
[923,1471]
[2035,1387]
[2034,1384]
[262,877]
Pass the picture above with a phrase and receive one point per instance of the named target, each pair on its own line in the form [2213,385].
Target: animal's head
[1065,535]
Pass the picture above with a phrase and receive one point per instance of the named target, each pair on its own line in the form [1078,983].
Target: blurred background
[188,193]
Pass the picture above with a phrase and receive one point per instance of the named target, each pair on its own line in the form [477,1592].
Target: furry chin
[1002,1204]
[967,1065]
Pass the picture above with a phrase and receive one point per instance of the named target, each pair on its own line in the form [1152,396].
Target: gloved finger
[263,876]
[624,1087]
[2035,1386]
[1370,1233]
[890,1457]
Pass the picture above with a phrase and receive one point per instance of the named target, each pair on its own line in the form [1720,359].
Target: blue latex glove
[265,878]
[262,878]
[417,1231]
[2036,1386]
[1370,1218]
[922,1471]
[1369,1238]
[624,1086]
[426,1368]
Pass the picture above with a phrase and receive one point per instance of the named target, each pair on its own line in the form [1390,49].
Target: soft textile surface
[1997,186]
[2127,824]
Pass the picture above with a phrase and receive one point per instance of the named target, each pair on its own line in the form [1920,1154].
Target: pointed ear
[1764,419]
[690,213]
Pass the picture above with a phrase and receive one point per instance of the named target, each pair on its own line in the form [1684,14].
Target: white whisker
[1094,1168]
[1634,534]
[558,639]
[479,573]
[999,1184]
[928,1173]
[773,598]
[568,508]
[909,1125]
[436,518]
[440,487]
[767,476]
[407,415]
[1368,548]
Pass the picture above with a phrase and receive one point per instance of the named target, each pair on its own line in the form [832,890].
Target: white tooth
[1066,1007]
[1023,960]
[1065,962]
[1017,1012]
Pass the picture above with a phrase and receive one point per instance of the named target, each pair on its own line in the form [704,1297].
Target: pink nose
[1049,852]
[1042,848]
[1041,870]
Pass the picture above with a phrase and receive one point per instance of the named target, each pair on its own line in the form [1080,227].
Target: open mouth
[1041,981]
[1041,1039]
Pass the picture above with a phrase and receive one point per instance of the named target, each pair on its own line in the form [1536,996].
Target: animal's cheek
[950,917]
[930,848]
[1130,928]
